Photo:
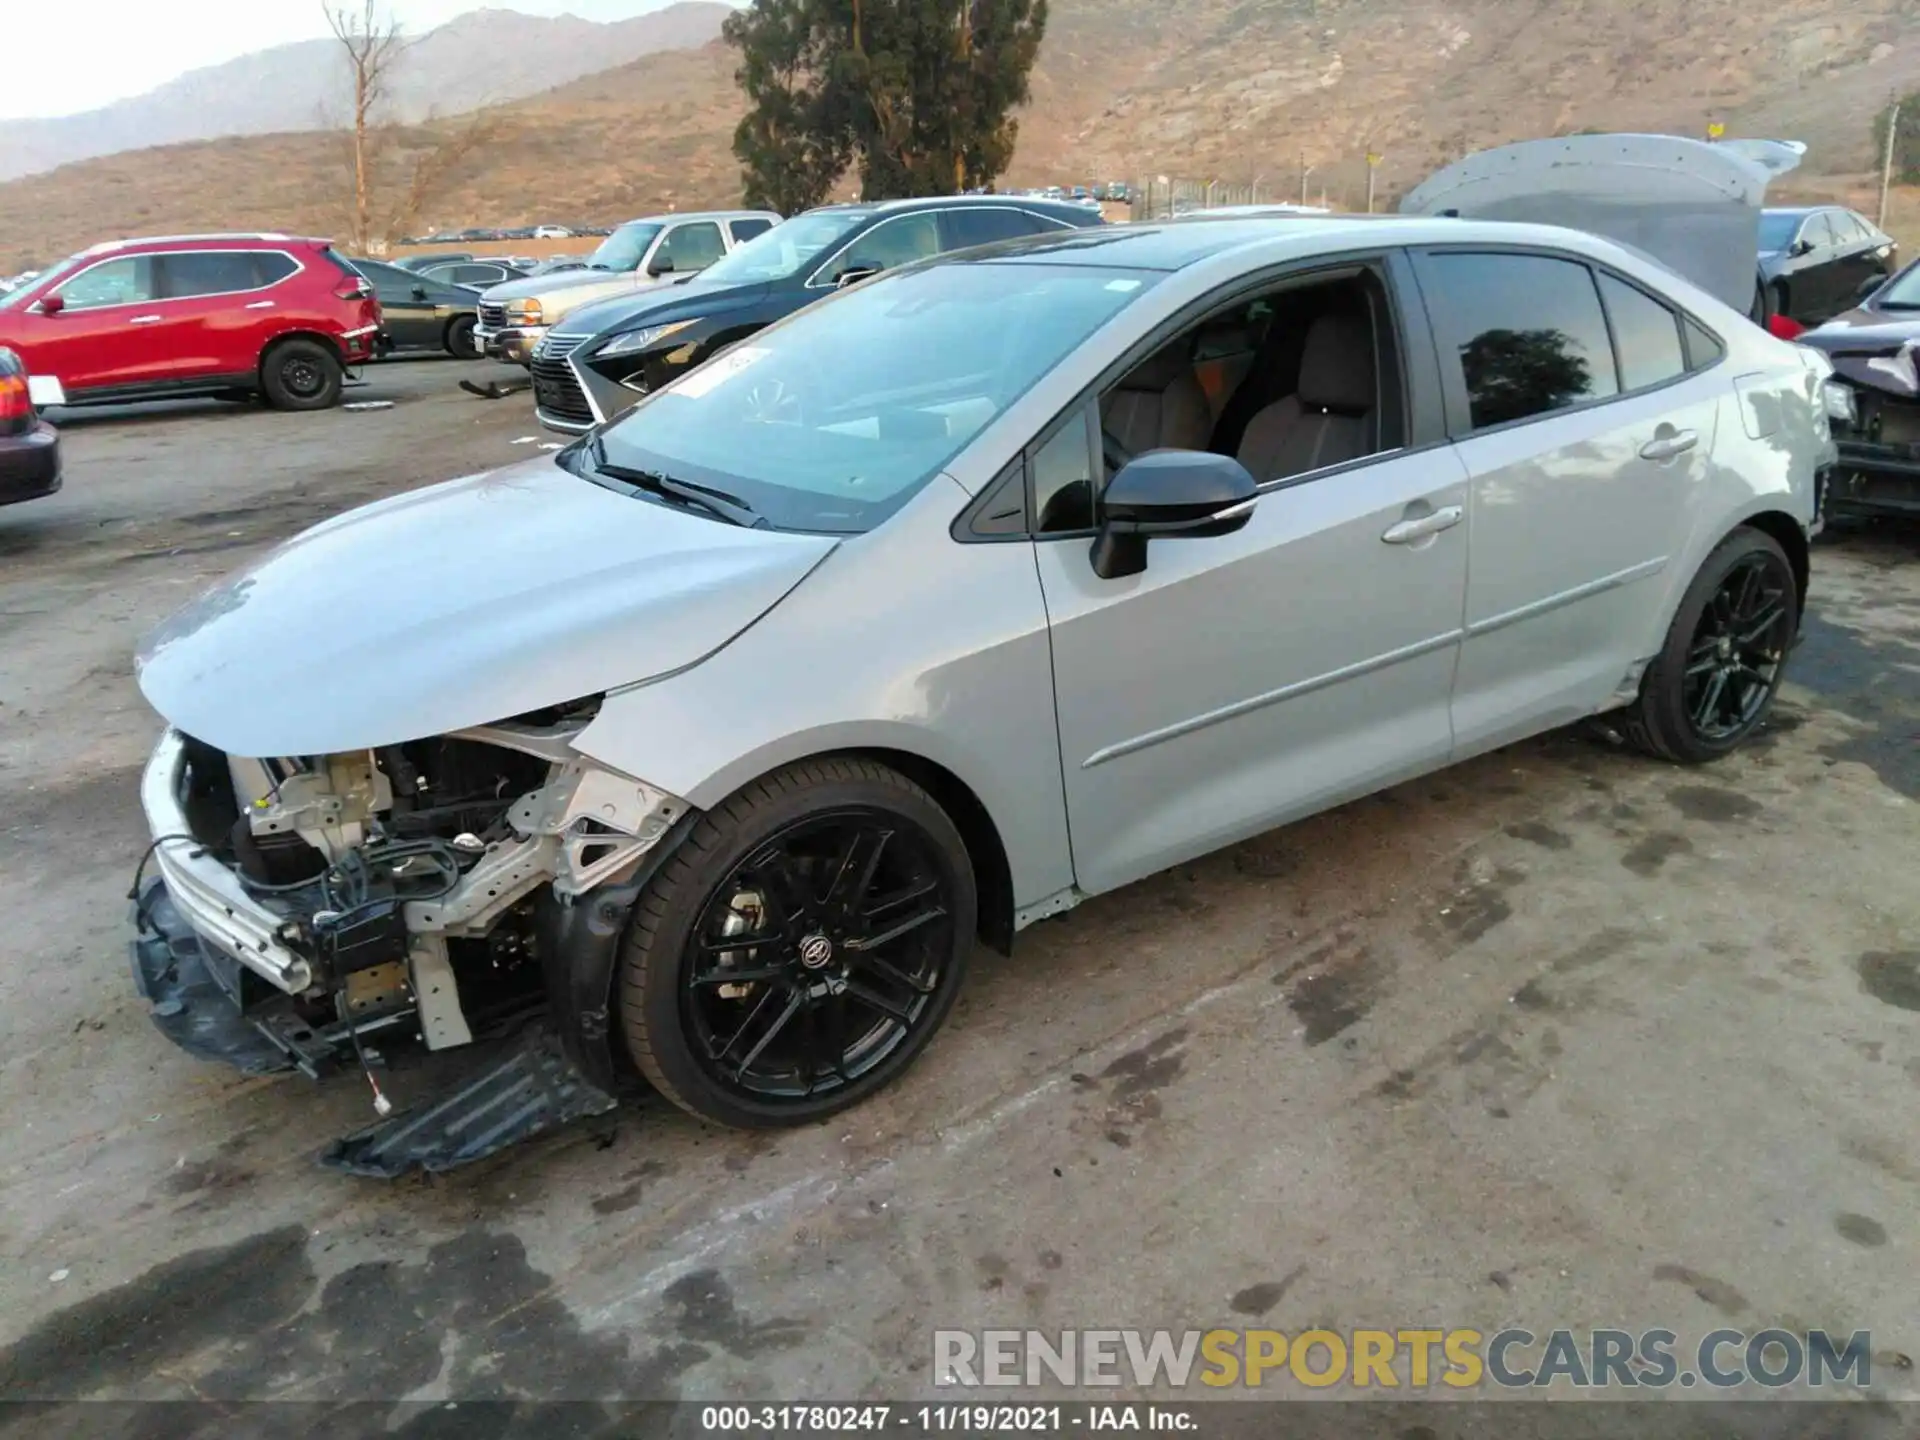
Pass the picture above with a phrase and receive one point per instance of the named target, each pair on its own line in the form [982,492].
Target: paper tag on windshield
[717,371]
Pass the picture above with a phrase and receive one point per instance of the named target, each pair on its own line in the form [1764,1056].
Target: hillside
[1228,89]
[480,58]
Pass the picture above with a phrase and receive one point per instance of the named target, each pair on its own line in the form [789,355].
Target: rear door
[220,308]
[1588,446]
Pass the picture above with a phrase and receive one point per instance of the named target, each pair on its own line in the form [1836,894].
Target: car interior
[1293,380]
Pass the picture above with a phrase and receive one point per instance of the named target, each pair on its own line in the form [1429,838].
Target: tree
[372,42]
[919,94]
[1906,140]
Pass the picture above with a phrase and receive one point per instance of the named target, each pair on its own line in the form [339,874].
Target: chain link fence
[1162,197]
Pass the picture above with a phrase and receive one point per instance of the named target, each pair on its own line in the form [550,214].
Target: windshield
[833,420]
[1778,227]
[623,249]
[52,272]
[784,249]
[1902,292]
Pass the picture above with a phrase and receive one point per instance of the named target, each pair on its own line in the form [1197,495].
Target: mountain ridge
[478,58]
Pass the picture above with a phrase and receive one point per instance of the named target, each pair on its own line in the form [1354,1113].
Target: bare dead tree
[432,171]
[372,42]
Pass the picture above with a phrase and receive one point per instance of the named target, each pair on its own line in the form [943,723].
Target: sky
[134,47]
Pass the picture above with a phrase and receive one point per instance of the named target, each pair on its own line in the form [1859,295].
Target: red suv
[235,315]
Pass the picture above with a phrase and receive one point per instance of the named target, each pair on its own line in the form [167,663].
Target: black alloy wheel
[801,948]
[1713,682]
[1738,650]
[814,960]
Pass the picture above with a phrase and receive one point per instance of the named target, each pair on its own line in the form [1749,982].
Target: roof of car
[1175,244]
[948,202]
[1797,209]
[235,237]
[673,215]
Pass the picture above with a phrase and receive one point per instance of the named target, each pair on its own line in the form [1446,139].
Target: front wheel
[801,948]
[1714,681]
[301,374]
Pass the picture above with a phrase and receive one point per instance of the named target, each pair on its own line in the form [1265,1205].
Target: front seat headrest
[1336,365]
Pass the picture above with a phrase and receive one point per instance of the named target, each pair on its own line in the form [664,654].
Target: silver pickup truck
[651,251]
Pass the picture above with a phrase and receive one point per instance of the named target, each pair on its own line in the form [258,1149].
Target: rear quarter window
[1646,336]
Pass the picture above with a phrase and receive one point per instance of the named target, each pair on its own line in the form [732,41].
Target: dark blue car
[604,357]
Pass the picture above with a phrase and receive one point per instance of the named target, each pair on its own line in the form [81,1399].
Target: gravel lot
[1560,1037]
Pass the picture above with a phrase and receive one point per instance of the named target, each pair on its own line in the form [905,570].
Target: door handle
[144,320]
[261,305]
[1408,531]
[1670,447]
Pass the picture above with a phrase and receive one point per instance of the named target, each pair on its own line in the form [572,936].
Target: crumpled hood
[460,604]
[1865,330]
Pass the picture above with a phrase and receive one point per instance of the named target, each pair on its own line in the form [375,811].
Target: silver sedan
[985,586]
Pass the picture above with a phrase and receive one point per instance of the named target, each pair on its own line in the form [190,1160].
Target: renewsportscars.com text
[1412,1359]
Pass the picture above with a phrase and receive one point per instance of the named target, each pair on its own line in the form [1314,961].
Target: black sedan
[421,313]
[29,446]
[1817,262]
[602,358]
[1875,350]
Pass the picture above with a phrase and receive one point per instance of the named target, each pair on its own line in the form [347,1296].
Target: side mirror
[51,305]
[660,265]
[854,276]
[1169,493]
[1801,247]
[419,292]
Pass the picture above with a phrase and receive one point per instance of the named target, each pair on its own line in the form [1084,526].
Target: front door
[109,331]
[1248,680]
[1588,447]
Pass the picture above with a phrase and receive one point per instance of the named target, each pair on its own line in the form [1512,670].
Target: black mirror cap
[1176,486]
[1190,494]
[855,276]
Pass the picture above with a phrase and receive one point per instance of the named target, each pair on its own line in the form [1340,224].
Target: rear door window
[982,225]
[1522,335]
[1646,335]
[747,229]
[209,272]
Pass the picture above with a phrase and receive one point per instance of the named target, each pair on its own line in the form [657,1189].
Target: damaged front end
[1879,442]
[317,911]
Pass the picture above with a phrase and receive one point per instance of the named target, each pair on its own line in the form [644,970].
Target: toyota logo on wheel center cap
[815,951]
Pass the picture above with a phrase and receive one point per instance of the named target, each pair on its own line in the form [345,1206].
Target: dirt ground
[1560,1037]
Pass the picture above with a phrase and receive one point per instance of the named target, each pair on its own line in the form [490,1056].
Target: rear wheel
[1716,678]
[1777,301]
[301,374]
[801,948]
[460,342]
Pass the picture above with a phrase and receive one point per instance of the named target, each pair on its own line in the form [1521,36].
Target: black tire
[748,860]
[1778,300]
[459,338]
[301,374]
[1666,721]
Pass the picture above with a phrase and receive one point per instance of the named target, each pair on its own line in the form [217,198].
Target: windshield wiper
[730,508]
[1898,305]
